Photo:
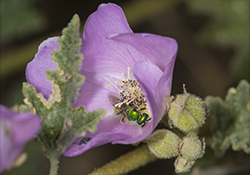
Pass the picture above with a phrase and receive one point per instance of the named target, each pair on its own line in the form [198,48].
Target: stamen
[121,103]
[129,72]
[115,87]
[130,101]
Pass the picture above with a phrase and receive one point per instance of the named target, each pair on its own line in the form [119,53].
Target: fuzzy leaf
[229,26]
[231,119]
[61,123]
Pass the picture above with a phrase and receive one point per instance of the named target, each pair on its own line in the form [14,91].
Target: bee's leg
[122,120]
[148,119]
[118,112]
[143,124]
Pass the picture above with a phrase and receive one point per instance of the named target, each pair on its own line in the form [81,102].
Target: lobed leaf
[60,122]
[231,119]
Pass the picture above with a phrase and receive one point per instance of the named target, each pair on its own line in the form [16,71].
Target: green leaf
[229,26]
[231,119]
[60,123]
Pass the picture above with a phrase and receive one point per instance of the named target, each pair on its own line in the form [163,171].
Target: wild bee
[84,140]
[129,111]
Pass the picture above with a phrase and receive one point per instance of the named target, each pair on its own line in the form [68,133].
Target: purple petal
[156,49]
[16,129]
[25,127]
[105,134]
[94,92]
[114,54]
[107,21]
[159,50]
[36,69]
[163,88]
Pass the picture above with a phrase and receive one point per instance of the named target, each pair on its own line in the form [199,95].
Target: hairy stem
[128,162]
[53,165]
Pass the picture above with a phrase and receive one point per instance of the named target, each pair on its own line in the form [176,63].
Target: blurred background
[213,38]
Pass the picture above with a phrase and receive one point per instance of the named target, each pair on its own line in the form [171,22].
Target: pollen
[130,92]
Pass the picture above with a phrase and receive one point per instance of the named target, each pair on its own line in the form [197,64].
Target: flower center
[132,102]
[130,93]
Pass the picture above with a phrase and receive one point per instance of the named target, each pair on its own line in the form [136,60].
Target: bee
[129,111]
[84,140]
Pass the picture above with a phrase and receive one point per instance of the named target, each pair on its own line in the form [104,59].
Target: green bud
[182,165]
[187,112]
[163,144]
[190,148]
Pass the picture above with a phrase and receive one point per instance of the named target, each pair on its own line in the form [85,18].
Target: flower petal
[25,127]
[94,92]
[16,129]
[105,133]
[99,51]
[157,49]
[163,88]
[114,54]
[36,69]
[109,19]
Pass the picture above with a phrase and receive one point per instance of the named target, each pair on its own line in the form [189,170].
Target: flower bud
[182,165]
[190,148]
[187,112]
[163,144]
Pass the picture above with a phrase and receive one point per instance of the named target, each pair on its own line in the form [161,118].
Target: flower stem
[53,165]
[128,162]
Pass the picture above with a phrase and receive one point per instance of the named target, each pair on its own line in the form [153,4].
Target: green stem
[128,162]
[53,165]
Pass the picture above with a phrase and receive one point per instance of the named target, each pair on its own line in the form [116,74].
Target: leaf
[231,119]
[229,26]
[61,123]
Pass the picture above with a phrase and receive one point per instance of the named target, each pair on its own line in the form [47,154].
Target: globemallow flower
[16,129]
[127,74]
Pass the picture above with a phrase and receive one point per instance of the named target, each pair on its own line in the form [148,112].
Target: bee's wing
[123,107]
[113,100]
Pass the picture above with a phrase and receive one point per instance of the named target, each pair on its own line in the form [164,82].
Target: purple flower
[16,129]
[126,74]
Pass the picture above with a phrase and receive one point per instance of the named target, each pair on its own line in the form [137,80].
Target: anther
[129,72]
